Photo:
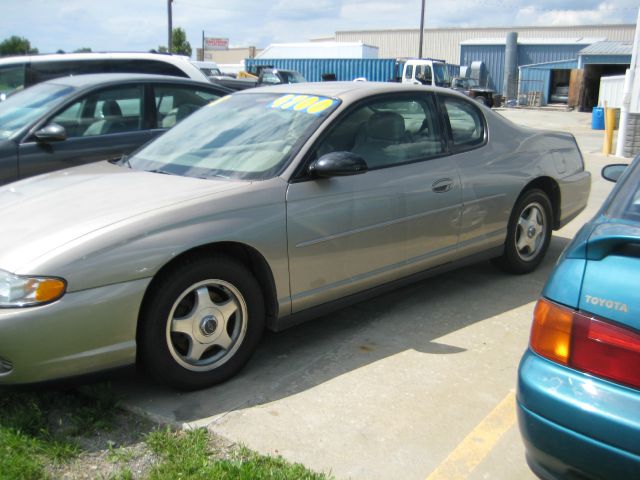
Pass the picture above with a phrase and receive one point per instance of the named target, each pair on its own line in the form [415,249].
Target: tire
[481,100]
[201,322]
[528,234]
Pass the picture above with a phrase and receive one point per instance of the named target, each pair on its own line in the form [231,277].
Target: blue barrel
[597,118]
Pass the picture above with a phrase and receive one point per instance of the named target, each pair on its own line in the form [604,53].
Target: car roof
[179,61]
[93,79]
[61,57]
[348,91]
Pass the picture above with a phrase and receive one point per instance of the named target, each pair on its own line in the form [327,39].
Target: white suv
[24,71]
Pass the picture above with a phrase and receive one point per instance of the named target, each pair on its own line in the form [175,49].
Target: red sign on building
[216,43]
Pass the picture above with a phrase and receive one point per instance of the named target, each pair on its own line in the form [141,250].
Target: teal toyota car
[579,380]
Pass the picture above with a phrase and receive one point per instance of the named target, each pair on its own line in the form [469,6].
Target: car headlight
[27,291]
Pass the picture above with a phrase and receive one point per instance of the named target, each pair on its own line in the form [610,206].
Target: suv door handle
[443,185]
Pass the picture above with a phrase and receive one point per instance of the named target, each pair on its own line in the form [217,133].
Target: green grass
[37,429]
[185,455]
[39,434]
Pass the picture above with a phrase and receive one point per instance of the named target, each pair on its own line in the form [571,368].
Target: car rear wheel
[201,323]
[481,99]
[529,233]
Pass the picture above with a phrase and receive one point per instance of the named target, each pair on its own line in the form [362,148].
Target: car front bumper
[83,332]
[576,426]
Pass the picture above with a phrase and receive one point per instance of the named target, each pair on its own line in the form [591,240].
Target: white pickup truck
[426,72]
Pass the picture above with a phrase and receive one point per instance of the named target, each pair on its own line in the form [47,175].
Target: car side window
[466,121]
[113,110]
[145,66]
[408,74]
[42,71]
[389,132]
[423,74]
[174,103]
[12,77]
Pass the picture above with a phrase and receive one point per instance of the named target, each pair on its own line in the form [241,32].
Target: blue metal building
[594,61]
[530,51]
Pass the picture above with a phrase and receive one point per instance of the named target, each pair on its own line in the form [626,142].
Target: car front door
[101,125]
[348,234]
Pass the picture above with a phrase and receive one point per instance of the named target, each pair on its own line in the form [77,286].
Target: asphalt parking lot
[416,384]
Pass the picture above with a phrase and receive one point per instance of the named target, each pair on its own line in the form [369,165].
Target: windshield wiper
[159,170]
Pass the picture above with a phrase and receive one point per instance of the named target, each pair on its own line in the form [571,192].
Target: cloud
[139,25]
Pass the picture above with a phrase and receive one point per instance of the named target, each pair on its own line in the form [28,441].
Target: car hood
[42,213]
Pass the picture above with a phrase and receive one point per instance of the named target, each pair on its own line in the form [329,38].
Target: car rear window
[625,202]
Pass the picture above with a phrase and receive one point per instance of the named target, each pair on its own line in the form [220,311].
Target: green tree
[82,50]
[180,44]
[15,45]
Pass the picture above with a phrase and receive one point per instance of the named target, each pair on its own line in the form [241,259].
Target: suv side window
[389,132]
[43,71]
[466,121]
[145,66]
[113,110]
[174,103]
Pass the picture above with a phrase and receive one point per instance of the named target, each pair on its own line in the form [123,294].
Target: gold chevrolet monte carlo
[264,209]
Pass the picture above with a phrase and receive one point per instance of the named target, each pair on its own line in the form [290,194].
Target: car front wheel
[201,323]
[529,233]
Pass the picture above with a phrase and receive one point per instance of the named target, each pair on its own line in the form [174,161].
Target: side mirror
[614,171]
[338,164]
[51,133]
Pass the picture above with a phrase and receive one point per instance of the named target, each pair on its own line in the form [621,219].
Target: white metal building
[444,43]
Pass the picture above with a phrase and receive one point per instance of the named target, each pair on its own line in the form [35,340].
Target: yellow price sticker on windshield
[303,103]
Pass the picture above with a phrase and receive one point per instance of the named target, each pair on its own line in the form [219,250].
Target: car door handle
[443,185]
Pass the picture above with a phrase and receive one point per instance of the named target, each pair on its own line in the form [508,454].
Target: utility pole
[170,36]
[202,46]
[421,30]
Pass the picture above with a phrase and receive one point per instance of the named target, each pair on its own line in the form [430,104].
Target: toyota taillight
[586,343]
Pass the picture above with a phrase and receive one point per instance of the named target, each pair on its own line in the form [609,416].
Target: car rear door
[348,234]
[100,125]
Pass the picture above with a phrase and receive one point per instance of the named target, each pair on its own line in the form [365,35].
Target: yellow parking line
[477,445]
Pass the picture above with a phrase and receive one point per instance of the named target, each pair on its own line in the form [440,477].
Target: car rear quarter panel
[553,155]
[496,174]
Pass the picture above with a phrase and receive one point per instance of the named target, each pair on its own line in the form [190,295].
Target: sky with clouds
[139,25]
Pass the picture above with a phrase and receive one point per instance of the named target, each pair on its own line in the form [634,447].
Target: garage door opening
[559,86]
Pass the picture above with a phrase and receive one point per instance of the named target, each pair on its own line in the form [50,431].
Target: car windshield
[625,203]
[245,136]
[441,74]
[292,77]
[21,108]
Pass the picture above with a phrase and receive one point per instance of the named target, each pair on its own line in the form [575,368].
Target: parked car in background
[210,69]
[471,88]
[266,208]
[17,73]
[560,94]
[266,76]
[74,120]
[579,381]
